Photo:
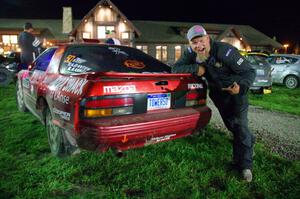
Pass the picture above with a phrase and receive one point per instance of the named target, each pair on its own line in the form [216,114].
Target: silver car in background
[263,81]
[285,69]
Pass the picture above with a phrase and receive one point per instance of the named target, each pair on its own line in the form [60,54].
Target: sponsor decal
[195,86]
[159,139]
[74,59]
[57,96]
[134,64]
[69,84]
[228,52]
[64,115]
[77,68]
[74,64]
[119,89]
[26,82]
[262,80]
[240,61]
[31,89]
[117,51]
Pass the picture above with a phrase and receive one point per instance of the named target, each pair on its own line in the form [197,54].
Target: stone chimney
[67,25]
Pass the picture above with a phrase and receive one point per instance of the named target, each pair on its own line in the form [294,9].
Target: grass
[281,99]
[192,167]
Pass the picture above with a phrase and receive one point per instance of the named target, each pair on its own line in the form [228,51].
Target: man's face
[30,30]
[201,46]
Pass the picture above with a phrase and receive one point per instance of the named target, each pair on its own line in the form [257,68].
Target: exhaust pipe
[119,153]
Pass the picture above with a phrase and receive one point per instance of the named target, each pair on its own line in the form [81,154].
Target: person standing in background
[30,46]
[111,38]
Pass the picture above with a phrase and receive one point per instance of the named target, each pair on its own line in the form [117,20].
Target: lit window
[177,52]
[10,39]
[6,39]
[161,53]
[125,35]
[101,30]
[86,35]
[143,48]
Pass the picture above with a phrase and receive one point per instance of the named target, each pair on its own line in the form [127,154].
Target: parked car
[286,69]
[97,97]
[263,79]
[9,67]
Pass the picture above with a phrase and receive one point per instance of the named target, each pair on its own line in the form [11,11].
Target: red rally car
[96,97]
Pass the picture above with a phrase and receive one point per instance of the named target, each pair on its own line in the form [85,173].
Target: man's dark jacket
[224,66]
[30,47]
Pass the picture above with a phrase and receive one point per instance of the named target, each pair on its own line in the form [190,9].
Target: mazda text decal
[119,89]
[69,84]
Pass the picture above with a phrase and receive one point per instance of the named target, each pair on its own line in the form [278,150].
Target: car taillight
[194,98]
[108,107]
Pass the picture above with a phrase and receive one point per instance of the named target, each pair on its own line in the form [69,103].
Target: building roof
[115,8]
[151,31]
[48,28]
[168,32]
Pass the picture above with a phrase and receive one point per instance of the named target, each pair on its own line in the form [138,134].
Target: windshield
[257,59]
[105,58]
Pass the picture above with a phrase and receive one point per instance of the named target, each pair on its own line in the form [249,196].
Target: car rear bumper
[123,133]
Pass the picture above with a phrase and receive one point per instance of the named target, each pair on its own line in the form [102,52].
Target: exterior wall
[170,50]
[108,19]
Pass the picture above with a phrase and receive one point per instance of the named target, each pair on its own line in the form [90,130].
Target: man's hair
[27,26]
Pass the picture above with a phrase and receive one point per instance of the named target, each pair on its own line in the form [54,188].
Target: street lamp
[285,47]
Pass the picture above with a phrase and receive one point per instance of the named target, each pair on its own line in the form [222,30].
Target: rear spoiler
[94,75]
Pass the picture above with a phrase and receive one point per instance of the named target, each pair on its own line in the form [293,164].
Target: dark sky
[273,18]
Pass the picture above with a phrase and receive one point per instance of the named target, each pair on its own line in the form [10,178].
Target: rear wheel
[61,142]
[291,82]
[20,97]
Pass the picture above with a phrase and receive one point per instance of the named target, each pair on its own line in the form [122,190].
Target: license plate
[159,101]
[267,91]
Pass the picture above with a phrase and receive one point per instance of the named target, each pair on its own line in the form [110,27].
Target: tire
[5,76]
[291,82]
[61,143]
[20,98]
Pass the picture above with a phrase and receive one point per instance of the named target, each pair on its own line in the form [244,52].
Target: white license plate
[159,101]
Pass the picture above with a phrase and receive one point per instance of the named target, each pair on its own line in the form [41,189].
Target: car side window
[291,60]
[43,60]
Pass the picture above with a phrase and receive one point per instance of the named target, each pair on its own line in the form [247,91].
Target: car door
[36,77]
[279,64]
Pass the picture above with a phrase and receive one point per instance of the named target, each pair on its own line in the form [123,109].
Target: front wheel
[61,142]
[291,82]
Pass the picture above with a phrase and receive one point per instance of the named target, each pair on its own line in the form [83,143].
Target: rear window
[98,58]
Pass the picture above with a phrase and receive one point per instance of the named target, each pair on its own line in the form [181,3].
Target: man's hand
[232,89]
[201,71]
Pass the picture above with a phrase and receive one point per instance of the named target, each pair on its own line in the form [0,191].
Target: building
[162,40]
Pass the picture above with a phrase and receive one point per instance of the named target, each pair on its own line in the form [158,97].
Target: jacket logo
[240,61]
[218,64]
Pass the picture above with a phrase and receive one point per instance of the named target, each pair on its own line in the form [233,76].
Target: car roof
[286,55]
